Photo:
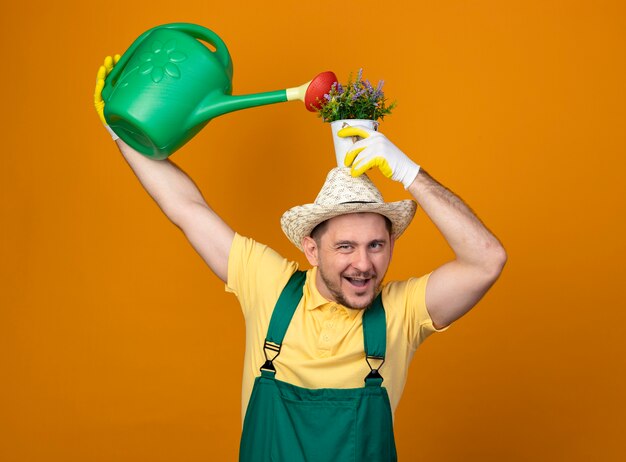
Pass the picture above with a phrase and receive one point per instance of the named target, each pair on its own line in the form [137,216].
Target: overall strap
[375,339]
[281,317]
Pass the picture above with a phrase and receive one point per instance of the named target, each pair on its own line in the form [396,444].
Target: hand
[103,72]
[375,150]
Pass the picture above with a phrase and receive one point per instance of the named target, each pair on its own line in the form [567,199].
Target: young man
[320,343]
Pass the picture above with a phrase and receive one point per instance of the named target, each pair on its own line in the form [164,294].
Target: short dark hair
[317,232]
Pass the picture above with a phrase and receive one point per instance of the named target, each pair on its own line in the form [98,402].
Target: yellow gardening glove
[375,150]
[103,72]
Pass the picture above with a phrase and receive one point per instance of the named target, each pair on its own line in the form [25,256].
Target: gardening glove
[375,150]
[103,72]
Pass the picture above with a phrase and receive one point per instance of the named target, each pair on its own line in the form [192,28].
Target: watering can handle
[209,36]
[194,30]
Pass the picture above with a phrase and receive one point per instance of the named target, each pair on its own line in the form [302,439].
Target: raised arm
[456,286]
[177,196]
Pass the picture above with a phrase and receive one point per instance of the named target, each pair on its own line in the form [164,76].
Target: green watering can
[168,85]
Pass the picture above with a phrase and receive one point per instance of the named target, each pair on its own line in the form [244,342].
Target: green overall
[287,423]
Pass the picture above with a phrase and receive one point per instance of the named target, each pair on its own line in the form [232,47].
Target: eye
[376,245]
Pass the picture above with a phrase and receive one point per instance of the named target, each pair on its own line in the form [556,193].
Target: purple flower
[378,93]
[358,94]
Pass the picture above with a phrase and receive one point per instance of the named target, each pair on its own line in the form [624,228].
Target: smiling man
[351,252]
[328,349]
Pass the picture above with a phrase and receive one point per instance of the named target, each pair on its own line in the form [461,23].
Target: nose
[362,261]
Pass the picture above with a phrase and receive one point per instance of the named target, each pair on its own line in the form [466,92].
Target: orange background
[118,344]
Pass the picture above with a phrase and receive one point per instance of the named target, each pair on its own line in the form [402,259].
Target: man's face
[352,255]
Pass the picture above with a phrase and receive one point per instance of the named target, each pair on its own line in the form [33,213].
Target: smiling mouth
[358,282]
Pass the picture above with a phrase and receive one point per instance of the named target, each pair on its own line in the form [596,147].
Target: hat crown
[343,194]
[341,187]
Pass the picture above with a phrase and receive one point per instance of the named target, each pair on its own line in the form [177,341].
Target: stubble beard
[337,293]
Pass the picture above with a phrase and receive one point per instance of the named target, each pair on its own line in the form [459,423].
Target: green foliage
[358,99]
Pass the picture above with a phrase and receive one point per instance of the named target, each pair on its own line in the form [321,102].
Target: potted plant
[356,103]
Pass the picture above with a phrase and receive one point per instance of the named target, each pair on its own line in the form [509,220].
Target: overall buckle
[269,358]
[374,374]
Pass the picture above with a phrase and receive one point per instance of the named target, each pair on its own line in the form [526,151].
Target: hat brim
[299,221]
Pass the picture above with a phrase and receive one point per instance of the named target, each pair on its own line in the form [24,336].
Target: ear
[310,250]
[392,243]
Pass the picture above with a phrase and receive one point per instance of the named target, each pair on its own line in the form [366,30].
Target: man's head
[352,253]
[348,209]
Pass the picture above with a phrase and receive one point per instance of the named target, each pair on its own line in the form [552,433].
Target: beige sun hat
[342,194]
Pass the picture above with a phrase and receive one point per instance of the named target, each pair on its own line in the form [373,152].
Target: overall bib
[287,423]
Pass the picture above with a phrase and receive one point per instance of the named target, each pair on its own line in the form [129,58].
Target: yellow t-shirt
[323,346]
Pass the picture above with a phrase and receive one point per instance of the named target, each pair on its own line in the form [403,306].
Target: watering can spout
[217,104]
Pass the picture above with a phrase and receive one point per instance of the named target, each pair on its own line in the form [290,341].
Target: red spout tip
[318,87]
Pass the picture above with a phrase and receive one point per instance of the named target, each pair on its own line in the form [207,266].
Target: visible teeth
[358,282]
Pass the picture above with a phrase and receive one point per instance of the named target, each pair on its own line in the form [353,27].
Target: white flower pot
[343,145]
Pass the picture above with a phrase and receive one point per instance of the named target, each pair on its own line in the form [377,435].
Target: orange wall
[116,342]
